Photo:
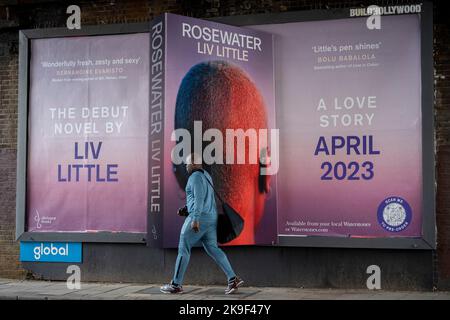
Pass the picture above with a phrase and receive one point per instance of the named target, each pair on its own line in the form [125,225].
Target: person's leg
[209,241]
[187,239]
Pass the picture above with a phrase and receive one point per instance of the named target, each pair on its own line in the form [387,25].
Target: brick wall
[9,251]
[442,124]
[25,14]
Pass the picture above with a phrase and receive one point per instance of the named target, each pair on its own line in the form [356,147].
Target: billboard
[51,251]
[349,112]
[88,134]
[341,115]
[209,76]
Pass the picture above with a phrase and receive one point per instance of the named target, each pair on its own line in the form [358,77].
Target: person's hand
[182,212]
[195,225]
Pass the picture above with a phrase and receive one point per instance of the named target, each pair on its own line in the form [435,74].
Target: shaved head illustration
[222,96]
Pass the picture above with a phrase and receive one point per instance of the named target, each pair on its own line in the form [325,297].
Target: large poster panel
[349,113]
[110,115]
[88,134]
[216,78]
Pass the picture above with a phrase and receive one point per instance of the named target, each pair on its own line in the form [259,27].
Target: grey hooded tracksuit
[201,205]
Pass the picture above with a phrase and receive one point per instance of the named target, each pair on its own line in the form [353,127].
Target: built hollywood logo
[394,213]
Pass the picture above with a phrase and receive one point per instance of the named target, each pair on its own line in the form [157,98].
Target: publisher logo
[394,214]
[42,220]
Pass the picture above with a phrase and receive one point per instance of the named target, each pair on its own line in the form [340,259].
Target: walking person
[200,225]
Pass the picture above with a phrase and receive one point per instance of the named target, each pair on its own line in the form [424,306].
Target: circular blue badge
[394,214]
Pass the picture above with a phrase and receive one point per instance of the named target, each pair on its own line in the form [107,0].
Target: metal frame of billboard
[428,239]
[25,37]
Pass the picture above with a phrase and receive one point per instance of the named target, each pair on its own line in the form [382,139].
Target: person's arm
[199,192]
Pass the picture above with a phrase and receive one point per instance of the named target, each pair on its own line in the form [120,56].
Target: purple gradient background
[181,55]
[396,127]
[89,206]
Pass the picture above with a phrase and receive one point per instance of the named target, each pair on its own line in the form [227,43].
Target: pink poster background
[181,55]
[88,206]
[396,127]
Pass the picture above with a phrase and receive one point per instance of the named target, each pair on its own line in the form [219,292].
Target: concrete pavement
[55,290]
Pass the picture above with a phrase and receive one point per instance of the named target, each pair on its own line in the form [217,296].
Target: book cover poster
[349,111]
[88,134]
[219,77]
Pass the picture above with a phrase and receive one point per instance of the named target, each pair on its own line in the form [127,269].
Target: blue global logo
[50,251]
[47,250]
[394,214]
